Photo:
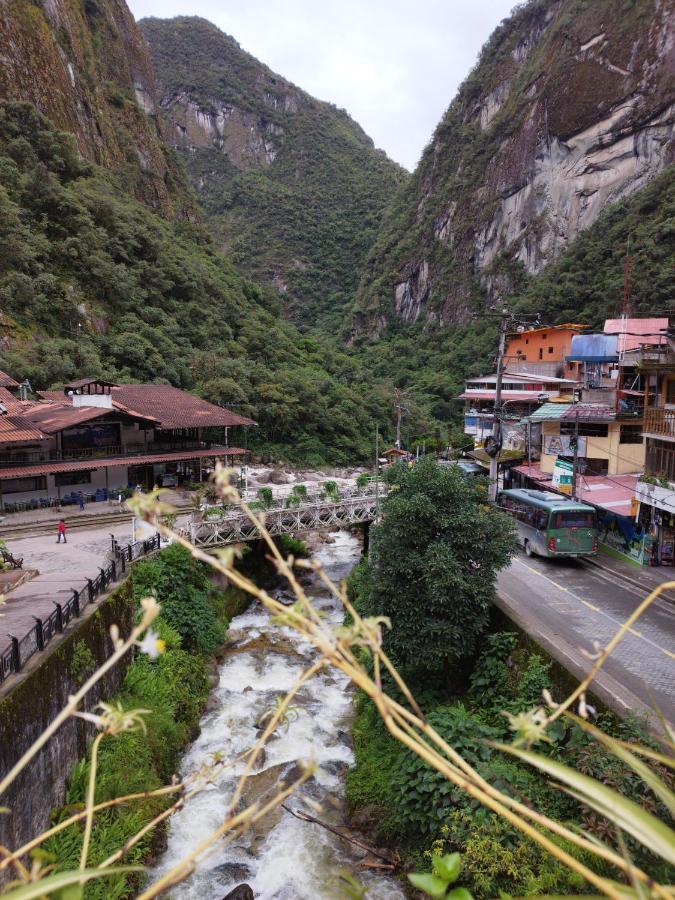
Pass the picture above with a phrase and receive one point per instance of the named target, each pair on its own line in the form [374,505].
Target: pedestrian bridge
[315,512]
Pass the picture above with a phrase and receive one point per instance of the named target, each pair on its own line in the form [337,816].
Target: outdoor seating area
[70,499]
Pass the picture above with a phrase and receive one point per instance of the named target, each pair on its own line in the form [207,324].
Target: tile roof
[93,464]
[7,381]
[7,398]
[174,408]
[589,412]
[83,382]
[53,417]
[15,429]
[527,396]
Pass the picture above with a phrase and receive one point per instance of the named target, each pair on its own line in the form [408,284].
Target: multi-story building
[96,436]
[543,351]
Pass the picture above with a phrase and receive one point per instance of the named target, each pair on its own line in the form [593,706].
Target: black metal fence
[20,650]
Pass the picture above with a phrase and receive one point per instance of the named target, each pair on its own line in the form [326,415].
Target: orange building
[543,351]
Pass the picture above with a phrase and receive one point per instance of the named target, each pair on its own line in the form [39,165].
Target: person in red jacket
[62,532]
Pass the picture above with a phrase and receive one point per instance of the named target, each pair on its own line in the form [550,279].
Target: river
[281,858]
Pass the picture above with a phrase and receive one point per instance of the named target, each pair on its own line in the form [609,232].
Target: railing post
[59,617]
[40,638]
[90,589]
[16,654]
[114,570]
[76,602]
[104,580]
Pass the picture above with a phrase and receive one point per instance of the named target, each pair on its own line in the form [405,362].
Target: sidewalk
[644,578]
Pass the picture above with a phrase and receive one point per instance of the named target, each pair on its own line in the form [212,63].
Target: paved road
[568,605]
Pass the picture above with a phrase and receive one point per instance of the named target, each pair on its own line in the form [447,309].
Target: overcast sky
[394,65]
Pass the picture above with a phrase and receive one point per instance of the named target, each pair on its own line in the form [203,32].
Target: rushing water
[281,857]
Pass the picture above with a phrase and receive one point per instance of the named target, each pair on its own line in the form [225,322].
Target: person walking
[61,532]
[80,500]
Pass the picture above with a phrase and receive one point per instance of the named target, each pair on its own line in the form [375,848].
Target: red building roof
[7,381]
[110,462]
[174,408]
[15,429]
[589,412]
[53,417]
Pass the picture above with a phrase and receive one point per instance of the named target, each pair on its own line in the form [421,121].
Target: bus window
[541,519]
[578,518]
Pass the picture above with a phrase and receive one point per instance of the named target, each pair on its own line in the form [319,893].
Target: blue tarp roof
[593,348]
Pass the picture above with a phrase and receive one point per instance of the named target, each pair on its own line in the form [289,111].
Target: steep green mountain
[93,281]
[292,188]
[85,65]
[569,110]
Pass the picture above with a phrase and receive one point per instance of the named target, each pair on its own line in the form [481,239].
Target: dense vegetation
[414,808]
[92,282]
[174,687]
[585,284]
[303,214]
[432,567]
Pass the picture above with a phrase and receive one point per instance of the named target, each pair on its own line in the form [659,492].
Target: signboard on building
[562,476]
[559,445]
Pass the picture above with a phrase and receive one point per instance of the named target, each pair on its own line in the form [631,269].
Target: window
[17,485]
[65,479]
[630,434]
[541,353]
[670,391]
[573,519]
[527,340]
[550,349]
[586,429]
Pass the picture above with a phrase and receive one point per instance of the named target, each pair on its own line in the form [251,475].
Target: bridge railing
[311,498]
[15,655]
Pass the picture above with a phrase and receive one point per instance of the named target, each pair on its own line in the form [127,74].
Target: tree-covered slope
[291,187]
[94,282]
[85,65]
[569,109]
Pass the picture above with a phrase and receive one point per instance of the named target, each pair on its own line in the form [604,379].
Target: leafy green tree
[432,568]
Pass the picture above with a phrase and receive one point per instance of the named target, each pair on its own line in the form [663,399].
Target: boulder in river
[241,892]
[232,871]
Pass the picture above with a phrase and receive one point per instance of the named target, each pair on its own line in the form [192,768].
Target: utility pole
[377,469]
[398,406]
[575,457]
[496,426]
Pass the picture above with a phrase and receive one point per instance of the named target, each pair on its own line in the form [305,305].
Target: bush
[180,584]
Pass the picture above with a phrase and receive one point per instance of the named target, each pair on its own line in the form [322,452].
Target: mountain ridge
[570,108]
[292,188]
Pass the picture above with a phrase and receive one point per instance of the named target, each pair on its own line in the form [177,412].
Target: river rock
[233,871]
[241,892]
[279,477]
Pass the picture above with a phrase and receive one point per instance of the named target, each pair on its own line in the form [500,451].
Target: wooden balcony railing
[660,422]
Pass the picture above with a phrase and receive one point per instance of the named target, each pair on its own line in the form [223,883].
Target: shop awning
[91,465]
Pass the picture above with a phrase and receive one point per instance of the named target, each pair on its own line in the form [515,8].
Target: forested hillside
[292,188]
[93,282]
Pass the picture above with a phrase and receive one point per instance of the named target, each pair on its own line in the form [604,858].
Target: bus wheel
[528,550]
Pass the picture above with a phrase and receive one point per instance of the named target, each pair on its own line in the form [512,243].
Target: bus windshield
[577,518]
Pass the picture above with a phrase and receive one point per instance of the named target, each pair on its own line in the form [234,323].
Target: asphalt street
[566,605]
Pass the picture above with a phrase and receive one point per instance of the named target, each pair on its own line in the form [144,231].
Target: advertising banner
[562,476]
[559,445]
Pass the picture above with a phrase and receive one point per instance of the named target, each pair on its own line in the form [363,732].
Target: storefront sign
[562,476]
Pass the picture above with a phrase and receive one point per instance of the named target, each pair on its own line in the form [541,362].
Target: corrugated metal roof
[527,396]
[7,381]
[633,333]
[93,464]
[593,348]
[548,411]
[613,494]
[589,412]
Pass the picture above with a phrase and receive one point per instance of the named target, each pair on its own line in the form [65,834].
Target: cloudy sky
[394,65]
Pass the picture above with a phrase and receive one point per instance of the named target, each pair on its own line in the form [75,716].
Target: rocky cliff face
[570,108]
[85,65]
[292,188]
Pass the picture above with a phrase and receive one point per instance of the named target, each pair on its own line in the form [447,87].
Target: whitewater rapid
[281,858]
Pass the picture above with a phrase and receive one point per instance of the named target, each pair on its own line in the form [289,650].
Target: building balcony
[660,423]
[132,452]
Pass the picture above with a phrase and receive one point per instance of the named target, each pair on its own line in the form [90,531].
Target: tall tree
[432,569]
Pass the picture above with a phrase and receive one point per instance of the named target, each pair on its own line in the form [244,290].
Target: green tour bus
[551,525]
